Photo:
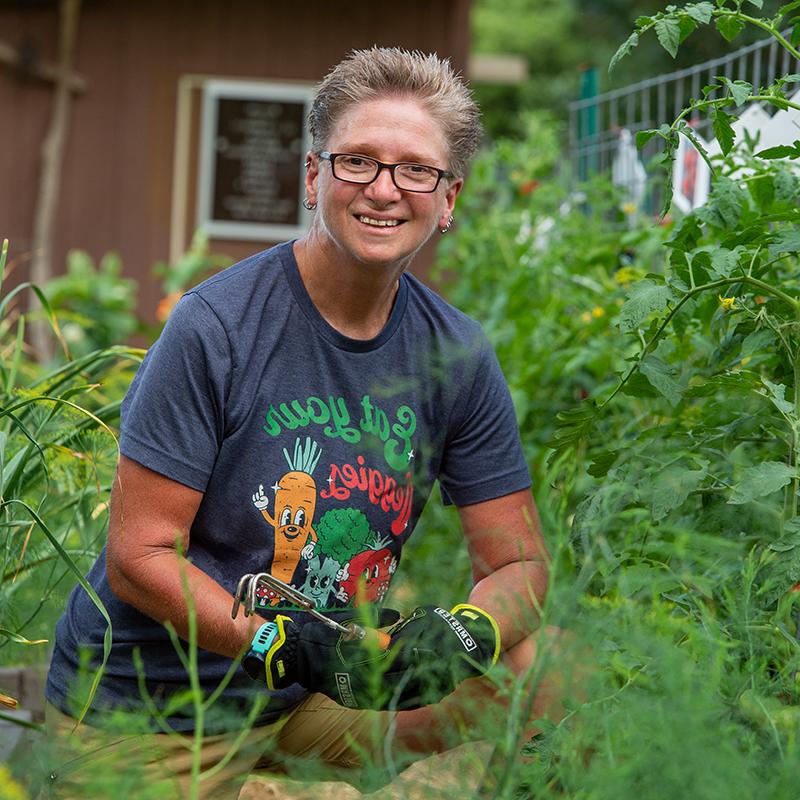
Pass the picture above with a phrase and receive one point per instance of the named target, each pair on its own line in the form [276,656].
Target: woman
[322,370]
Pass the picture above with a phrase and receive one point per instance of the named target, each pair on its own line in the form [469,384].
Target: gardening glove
[429,653]
[433,650]
[303,650]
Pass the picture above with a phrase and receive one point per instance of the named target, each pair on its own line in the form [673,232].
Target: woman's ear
[312,171]
[452,191]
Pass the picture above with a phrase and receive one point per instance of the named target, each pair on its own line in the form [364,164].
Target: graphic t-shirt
[315,454]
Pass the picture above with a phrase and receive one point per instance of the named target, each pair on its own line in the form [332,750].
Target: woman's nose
[383,187]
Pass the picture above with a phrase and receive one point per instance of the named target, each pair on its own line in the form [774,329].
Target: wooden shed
[144,78]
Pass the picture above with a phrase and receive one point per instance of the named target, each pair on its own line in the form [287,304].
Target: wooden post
[52,157]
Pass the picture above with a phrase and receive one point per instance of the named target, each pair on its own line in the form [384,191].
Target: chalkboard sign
[252,150]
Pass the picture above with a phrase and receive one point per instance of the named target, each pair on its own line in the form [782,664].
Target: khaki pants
[317,738]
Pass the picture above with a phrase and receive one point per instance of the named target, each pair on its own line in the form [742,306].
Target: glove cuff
[472,614]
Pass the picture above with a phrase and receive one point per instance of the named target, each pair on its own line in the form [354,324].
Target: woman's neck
[354,298]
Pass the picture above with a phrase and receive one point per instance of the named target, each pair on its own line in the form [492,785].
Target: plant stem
[794,486]
[765,287]
[759,23]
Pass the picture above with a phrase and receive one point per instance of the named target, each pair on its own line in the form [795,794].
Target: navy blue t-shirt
[315,454]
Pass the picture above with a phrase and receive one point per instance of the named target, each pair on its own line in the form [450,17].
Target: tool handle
[372,636]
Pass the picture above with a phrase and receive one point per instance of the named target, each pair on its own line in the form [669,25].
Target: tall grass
[58,450]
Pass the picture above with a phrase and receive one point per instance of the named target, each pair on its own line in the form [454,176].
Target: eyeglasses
[407,176]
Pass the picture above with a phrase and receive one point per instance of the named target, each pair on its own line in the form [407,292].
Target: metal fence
[595,122]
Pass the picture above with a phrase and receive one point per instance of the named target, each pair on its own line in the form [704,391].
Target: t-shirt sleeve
[483,457]
[173,416]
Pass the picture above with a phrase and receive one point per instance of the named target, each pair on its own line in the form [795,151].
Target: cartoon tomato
[368,575]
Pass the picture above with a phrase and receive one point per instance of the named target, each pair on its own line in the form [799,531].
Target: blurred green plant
[95,305]
[196,264]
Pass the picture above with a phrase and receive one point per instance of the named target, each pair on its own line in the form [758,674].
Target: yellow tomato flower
[629,208]
[598,312]
[586,317]
[726,302]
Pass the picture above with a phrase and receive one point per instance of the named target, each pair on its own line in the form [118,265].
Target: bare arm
[509,561]
[148,514]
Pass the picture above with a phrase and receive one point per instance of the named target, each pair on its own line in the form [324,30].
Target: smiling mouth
[379,223]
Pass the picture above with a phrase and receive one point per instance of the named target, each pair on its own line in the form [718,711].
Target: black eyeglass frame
[442,173]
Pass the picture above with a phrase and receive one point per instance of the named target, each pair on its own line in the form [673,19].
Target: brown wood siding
[117,176]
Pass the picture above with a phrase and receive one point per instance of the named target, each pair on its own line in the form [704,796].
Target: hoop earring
[308,206]
[448,226]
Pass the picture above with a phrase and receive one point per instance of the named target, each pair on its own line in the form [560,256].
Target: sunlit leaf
[738,90]
[700,12]
[646,297]
[19,639]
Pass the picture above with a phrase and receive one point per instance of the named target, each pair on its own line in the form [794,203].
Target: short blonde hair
[384,71]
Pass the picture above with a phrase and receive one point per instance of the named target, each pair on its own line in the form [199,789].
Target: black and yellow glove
[429,654]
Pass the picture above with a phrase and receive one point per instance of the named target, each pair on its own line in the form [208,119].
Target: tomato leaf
[730,27]
[700,12]
[738,90]
[776,392]
[643,137]
[687,27]
[723,130]
[761,480]
[668,31]
[661,376]
[645,297]
[724,261]
[623,50]
[781,151]
[785,242]
[671,487]
[724,208]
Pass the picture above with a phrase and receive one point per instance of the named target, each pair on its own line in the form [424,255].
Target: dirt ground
[449,776]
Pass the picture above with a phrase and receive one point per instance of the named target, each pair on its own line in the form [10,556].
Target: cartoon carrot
[295,503]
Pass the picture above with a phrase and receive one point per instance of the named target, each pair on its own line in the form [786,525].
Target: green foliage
[96,306]
[57,454]
[656,373]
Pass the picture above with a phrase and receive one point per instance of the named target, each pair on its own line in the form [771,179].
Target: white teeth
[380,223]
